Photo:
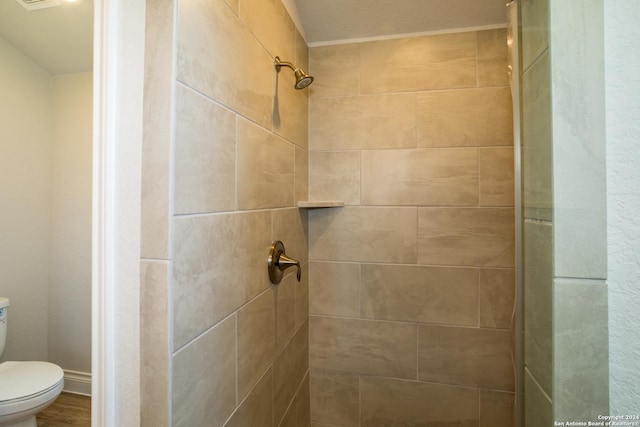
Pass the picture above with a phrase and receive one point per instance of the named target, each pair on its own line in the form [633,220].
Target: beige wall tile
[244,80]
[357,122]
[205,155]
[420,177]
[496,176]
[209,399]
[370,234]
[466,236]
[301,175]
[336,69]
[154,344]
[363,346]
[289,370]
[442,295]
[497,297]
[470,117]
[290,117]
[465,356]
[302,54]
[391,402]
[538,297]
[265,168]
[204,291]
[156,143]
[256,340]
[334,289]
[493,58]
[535,30]
[536,133]
[291,227]
[335,398]
[256,410]
[233,5]
[497,409]
[335,175]
[539,408]
[299,413]
[270,23]
[302,297]
[286,309]
[418,63]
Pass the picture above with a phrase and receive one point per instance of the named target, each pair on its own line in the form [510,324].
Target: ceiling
[59,39]
[326,21]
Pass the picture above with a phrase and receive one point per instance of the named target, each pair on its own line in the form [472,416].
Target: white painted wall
[622,62]
[70,248]
[25,128]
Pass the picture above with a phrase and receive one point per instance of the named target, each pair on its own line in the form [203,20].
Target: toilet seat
[26,380]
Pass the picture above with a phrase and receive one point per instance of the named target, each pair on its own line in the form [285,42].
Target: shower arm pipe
[280,63]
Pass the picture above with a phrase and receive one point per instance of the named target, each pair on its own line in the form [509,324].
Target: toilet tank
[4,306]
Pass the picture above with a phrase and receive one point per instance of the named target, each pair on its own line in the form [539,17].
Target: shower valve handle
[278,262]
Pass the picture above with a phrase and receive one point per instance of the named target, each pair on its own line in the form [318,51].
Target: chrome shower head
[302,79]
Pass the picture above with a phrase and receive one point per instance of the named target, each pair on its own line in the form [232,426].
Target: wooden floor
[68,410]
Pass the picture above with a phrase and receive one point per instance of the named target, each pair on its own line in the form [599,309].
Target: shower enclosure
[564,344]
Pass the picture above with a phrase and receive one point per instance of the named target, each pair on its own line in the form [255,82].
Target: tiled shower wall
[225,160]
[412,282]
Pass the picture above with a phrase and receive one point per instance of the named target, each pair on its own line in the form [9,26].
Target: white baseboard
[77,382]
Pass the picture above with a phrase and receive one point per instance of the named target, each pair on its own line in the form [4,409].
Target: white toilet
[26,388]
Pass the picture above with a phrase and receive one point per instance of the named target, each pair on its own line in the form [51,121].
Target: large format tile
[205,155]
[291,227]
[535,30]
[157,132]
[358,122]
[335,175]
[370,234]
[496,176]
[538,409]
[536,134]
[334,289]
[290,118]
[420,294]
[466,236]
[363,346]
[335,398]
[256,410]
[265,168]
[299,412]
[497,297]
[256,340]
[390,402]
[211,277]
[286,309]
[154,344]
[497,409]
[580,349]
[420,177]
[289,370]
[302,297]
[579,140]
[336,69]
[209,399]
[538,302]
[469,117]
[492,58]
[270,23]
[301,175]
[466,356]
[418,63]
[219,57]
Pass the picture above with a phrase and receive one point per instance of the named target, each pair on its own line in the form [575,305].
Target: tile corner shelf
[320,204]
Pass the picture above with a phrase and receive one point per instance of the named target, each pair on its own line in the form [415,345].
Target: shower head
[302,79]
